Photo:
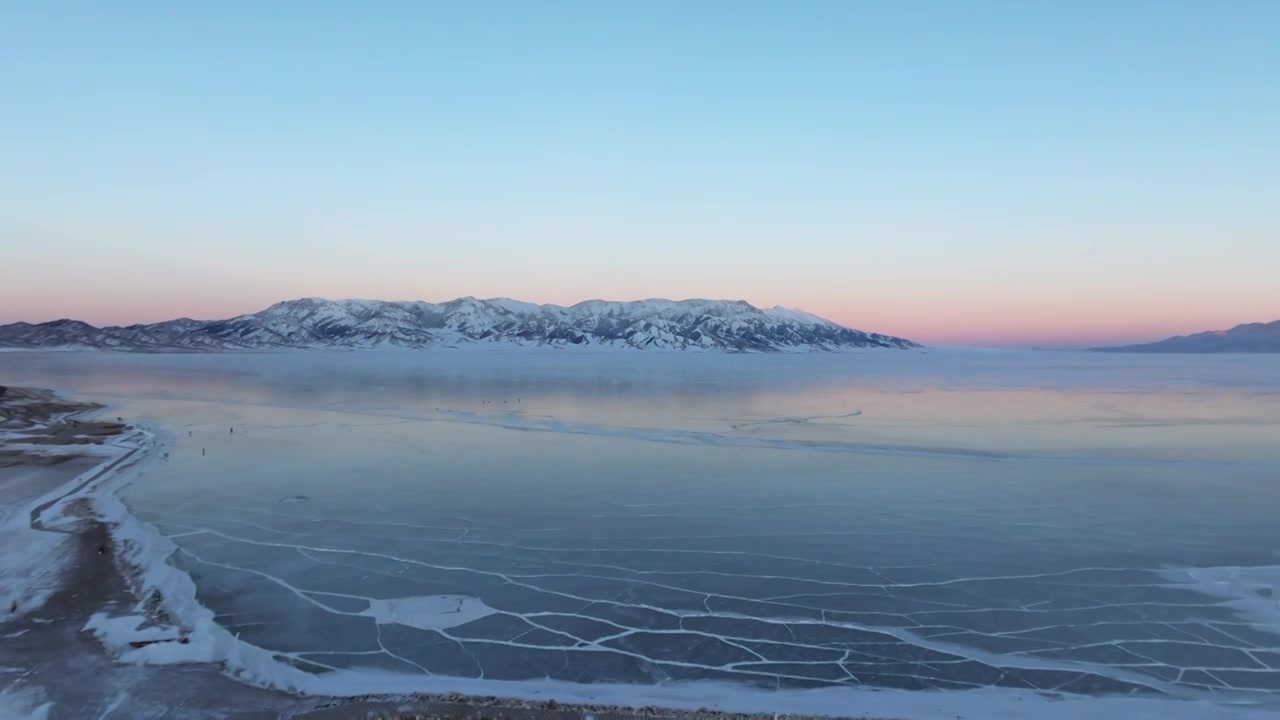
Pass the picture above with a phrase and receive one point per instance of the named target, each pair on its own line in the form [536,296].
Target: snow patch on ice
[31,564]
[134,640]
[19,702]
[1253,592]
[428,612]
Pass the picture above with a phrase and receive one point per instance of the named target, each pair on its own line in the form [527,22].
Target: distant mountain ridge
[724,325]
[1247,338]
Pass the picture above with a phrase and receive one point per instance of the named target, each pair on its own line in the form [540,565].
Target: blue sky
[1013,173]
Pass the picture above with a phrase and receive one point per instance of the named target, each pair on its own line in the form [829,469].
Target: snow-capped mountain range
[723,325]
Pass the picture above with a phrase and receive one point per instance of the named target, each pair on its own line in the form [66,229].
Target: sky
[1012,173]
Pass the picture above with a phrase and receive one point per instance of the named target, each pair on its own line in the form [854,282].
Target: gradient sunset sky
[1037,172]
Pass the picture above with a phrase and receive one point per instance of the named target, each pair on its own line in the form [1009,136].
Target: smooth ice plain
[1061,522]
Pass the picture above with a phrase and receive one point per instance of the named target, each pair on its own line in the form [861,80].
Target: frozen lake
[1071,522]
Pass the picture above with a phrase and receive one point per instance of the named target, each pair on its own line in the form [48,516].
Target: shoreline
[233,679]
[54,467]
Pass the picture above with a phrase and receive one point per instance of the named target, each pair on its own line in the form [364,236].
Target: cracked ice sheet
[599,595]
[667,555]
[990,703]
[721,636]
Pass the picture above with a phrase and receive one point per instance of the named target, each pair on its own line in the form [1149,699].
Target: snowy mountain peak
[726,325]
[797,315]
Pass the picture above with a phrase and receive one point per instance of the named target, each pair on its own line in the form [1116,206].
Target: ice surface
[760,533]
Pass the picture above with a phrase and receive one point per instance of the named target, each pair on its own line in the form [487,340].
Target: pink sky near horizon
[930,318]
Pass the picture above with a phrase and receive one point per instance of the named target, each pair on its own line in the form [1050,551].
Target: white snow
[1253,592]
[31,564]
[798,316]
[32,561]
[429,612]
[21,702]
[163,642]
[517,307]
